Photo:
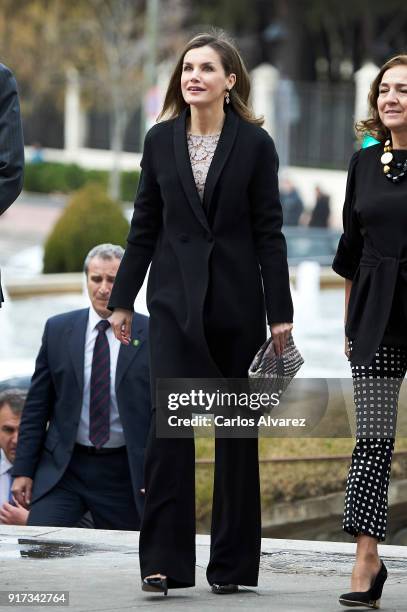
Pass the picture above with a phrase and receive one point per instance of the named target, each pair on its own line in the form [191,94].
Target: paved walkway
[100,571]
[27,222]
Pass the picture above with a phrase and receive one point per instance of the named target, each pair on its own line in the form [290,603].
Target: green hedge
[46,177]
[90,218]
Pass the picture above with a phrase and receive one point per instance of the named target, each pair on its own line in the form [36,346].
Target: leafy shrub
[51,176]
[90,218]
[129,182]
[47,177]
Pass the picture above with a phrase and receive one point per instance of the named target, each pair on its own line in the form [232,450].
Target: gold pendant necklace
[398,170]
[387,157]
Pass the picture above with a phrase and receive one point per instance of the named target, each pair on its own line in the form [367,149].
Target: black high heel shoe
[155,585]
[370,598]
[224,589]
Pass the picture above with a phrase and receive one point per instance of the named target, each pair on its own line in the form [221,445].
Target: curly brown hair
[232,62]
[373,125]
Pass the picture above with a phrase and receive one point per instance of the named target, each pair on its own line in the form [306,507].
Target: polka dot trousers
[376,391]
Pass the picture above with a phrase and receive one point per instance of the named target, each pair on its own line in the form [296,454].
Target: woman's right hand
[121,324]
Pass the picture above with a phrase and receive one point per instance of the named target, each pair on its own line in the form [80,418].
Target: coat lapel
[185,169]
[222,152]
[129,352]
[77,344]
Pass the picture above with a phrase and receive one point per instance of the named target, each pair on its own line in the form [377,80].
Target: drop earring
[227,98]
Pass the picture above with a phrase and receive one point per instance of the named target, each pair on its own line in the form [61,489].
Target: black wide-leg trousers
[167,537]
[376,392]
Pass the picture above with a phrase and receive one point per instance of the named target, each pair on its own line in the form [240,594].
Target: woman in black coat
[218,267]
[372,257]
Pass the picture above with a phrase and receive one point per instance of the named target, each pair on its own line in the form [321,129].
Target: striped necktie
[99,407]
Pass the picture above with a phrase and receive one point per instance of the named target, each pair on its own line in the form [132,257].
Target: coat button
[183,238]
[209,237]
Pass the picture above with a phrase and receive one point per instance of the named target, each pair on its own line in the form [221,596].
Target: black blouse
[372,252]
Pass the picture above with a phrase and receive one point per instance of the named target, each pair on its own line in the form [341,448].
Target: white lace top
[201,150]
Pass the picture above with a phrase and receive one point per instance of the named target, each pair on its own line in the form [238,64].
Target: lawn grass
[285,482]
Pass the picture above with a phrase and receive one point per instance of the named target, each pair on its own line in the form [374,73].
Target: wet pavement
[100,571]
[31,548]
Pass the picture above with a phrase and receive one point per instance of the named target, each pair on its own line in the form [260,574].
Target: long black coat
[210,260]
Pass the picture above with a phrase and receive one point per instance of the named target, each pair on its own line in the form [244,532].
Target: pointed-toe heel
[155,585]
[370,598]
[224,589]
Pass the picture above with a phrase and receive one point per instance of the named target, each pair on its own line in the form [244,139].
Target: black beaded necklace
[394,171]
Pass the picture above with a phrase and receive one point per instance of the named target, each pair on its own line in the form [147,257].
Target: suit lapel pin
[136,342]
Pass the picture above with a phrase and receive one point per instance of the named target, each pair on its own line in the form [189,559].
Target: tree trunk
[118,123]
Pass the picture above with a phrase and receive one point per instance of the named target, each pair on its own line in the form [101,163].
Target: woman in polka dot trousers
[372,257]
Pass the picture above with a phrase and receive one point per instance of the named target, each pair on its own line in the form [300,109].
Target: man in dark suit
[11,407]
[11,144]
[95,396]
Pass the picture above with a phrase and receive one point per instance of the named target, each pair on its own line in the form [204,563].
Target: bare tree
[31,44]
[113,32]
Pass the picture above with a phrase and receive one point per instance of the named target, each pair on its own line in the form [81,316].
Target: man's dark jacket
[55,397]
[11,143]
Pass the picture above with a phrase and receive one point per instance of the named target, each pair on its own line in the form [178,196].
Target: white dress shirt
[5,478]
[116,429]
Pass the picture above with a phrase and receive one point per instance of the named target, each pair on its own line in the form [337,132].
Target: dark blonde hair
[174,102]
[373,124]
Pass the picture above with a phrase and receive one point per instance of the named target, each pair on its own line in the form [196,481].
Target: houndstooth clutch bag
[269,373]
